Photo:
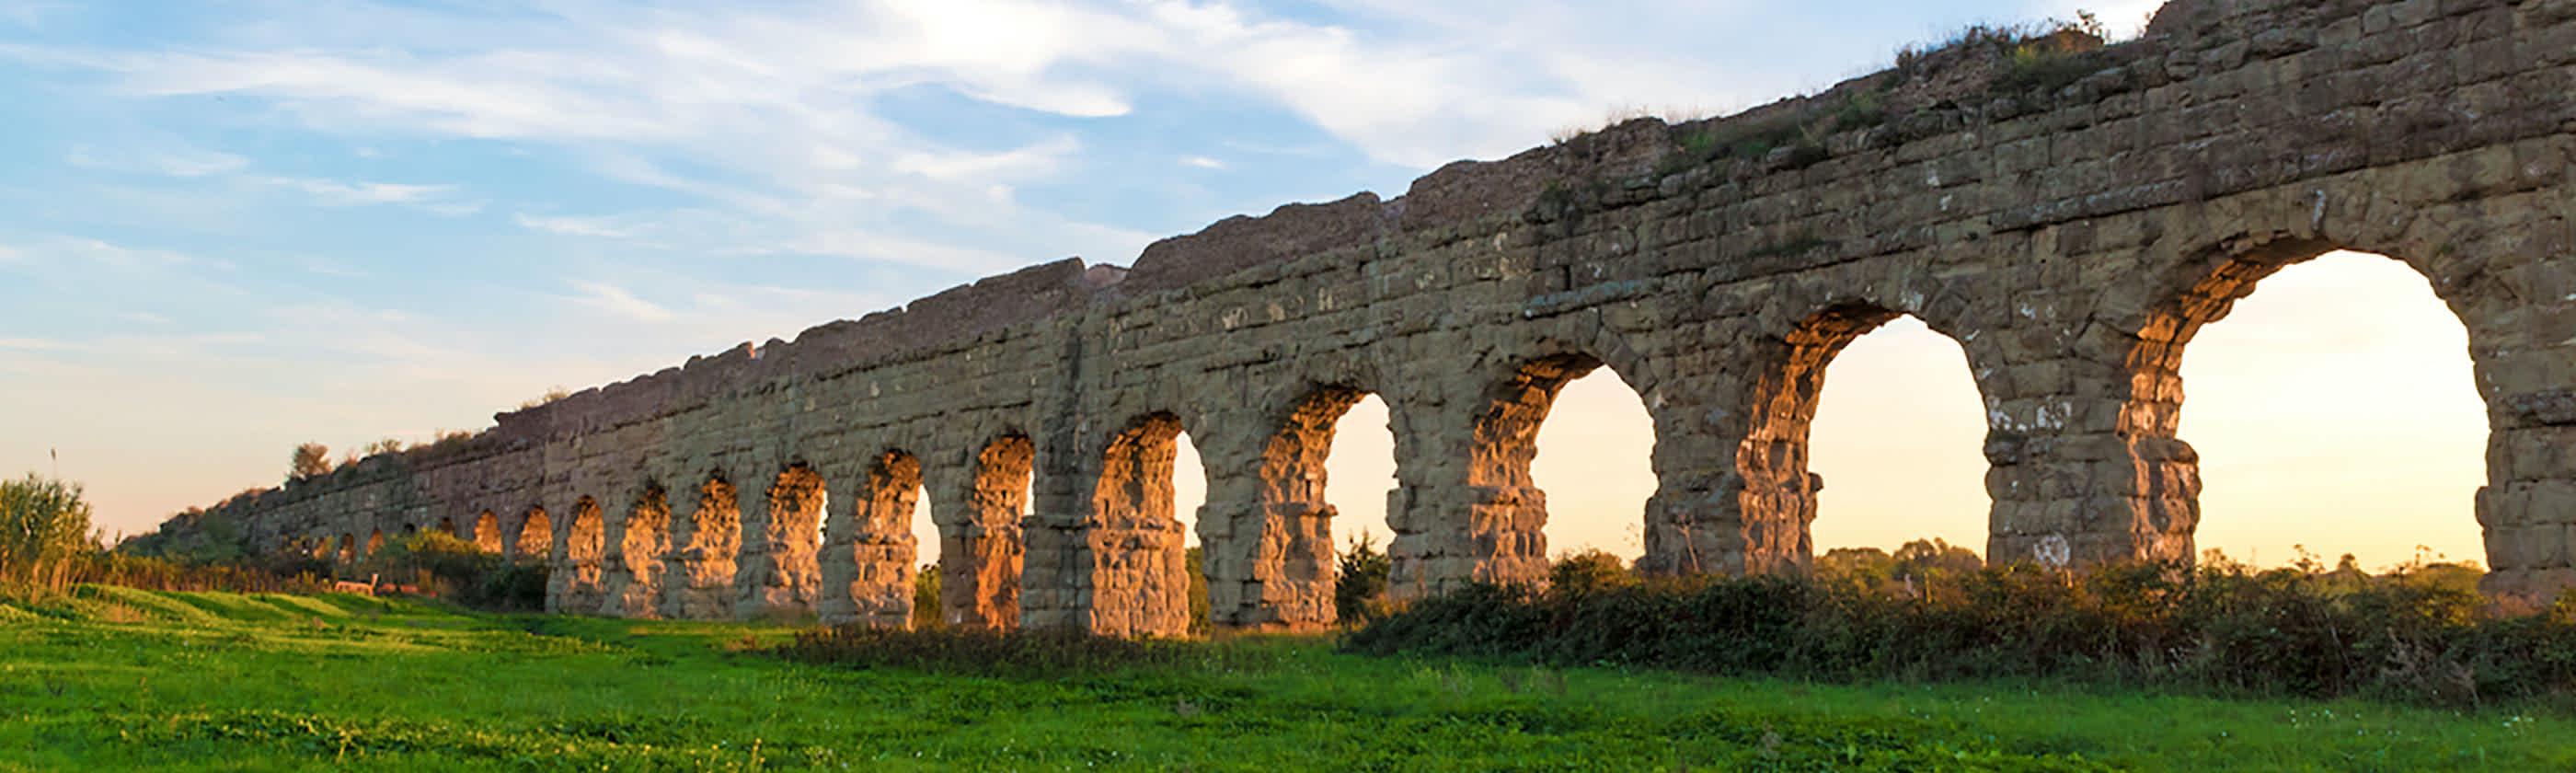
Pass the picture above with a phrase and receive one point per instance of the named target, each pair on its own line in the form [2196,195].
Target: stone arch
[375,542]
[535,537]
[321,546]
[444,526]
[577,585]
[1778,501]
[633,568]
[1139,564]
[778,573]
[869,566]
[2197,291]
[1506,520]
[487,533]
[979,583]
[1292,561]
[348,548]
[699,577]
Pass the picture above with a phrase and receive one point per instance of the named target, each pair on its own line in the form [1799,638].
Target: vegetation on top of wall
[2010,59]
[309,460]
[2420,633]
[553,394]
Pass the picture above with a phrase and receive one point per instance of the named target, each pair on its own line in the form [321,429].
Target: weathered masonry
[2071,215]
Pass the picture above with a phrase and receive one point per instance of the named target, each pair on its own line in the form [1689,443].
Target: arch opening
[1141,577]
[1896,431]
[1585,496]
[699,583]
[487,532]
[980,559]
[778,574]
[375,542]
[2336,413]
[1593,466]
[535,531]
[1308,471]
[348,548]
[880,543]
[634,571]
[580,587]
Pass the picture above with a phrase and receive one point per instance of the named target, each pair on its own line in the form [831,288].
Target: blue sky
[229,227]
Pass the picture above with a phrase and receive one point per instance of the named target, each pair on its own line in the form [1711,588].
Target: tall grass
[44,531]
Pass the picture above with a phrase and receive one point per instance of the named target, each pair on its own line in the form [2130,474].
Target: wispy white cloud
[334,193]
[618,302]
[179,160]
[774,110]
[172,162]
[32,344]
[1202,162]
[952,166]
[113,256]
[611,227]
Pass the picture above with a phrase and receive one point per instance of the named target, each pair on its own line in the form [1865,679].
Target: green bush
[1587,571]
[1359,581]
[444,565]
[925,599]
[2415,634]
[44,530]
[1196,562]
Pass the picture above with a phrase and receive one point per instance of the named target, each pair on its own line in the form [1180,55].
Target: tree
[1936,558]
[310,459]
[385,446]
[1591,569]
[1360,580]
[44,525]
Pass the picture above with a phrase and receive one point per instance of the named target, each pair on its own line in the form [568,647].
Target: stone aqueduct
[2070,233]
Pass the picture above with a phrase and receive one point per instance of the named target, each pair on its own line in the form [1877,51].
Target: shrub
[279,572]
[1359,581]
[44,530]
[1196,563]
[446,566]
[1588,571]
[310,459]
[2413,634]
[925,598]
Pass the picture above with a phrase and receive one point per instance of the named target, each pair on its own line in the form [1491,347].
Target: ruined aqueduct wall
[2070,232]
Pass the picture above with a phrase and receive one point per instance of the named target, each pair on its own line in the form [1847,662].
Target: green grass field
[122,679]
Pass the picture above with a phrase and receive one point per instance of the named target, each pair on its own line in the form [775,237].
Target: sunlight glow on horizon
[1899,436]
[2335,408]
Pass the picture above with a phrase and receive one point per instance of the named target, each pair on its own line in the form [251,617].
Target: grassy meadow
[111,678]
